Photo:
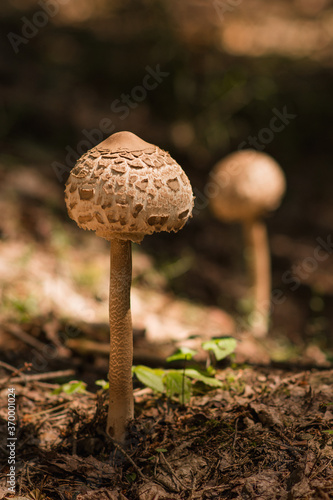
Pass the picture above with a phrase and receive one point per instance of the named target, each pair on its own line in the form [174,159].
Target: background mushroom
[123,189]
[250,184]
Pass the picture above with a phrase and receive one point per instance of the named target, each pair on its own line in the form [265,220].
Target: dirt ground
[266,435]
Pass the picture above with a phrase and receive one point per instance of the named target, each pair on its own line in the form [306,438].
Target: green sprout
[72,387]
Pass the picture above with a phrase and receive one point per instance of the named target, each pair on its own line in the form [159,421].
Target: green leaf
[131,477]
[74,386]
[102,383]
[220,347]
[196,375]
[183,353]
[210,371]
[177,384]
[150,377]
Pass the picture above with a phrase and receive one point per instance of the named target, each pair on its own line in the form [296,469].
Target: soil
[267,434]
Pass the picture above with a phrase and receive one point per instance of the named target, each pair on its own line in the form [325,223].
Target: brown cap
[248,184]
[126,188]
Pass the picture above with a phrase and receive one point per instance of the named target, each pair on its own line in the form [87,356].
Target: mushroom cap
[248,184]
[126,188]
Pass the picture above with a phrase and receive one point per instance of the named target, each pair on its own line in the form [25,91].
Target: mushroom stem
[259,269]
[121,407]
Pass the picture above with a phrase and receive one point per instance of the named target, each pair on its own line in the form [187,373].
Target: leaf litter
[268,437]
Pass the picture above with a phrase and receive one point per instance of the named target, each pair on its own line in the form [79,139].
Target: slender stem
[260,273]
[121,408]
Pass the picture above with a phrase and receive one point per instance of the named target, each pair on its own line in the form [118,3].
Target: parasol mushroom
[123,189]
[250,184]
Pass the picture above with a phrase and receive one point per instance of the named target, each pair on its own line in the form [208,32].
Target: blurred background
[199,78]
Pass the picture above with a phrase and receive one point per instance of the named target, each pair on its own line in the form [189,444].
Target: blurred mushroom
[249,185]
[123,189]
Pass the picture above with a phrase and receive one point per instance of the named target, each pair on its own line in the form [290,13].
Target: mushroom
[123,189]
[250,184]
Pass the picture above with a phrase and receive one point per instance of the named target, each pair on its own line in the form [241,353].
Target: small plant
[103,384]
[74,386]
[221,348]
[178,383]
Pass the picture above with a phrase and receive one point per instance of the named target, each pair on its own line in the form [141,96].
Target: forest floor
[267,434]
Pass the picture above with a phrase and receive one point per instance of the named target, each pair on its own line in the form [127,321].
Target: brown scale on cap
[249,183]
[143,188]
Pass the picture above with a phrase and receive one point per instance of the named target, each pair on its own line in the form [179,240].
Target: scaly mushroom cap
[249,184]
[126,188]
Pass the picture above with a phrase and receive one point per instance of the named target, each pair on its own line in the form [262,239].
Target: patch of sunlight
[60,239]
[283,350]
[19,308]
[88,275]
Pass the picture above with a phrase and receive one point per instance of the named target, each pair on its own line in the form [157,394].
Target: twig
[320,469]
[51,330]
[137,469]
[311,394]
[172,472]
[46,385]
[75,426]
[25,466]
[16,371]
[84,346]
[155,466]
[25,337]
[142,392]
[290,447]
[50,410]
[209,488]
[8,367]
[126,455]
[28,475]
[292,378]
[39,376]
[235,436]
[283,437]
